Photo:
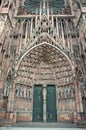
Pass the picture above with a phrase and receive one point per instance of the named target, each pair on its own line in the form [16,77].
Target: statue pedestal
[11,116]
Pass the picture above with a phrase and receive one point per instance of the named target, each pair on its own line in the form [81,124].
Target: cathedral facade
[43,60]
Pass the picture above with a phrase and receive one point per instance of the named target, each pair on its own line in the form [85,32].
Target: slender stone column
[31,29]
[77,116]
[20,46]
[10,113]
[44,7]
[57,28]
[48,10]
[52,18]
[36,17]
[44,103]
[62,35]
[26,34]
[40,10]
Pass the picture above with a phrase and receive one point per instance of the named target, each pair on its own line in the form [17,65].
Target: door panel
[84,105]
[38,104]
[51,103]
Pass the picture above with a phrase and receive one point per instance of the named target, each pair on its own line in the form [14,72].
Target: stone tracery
[43,46]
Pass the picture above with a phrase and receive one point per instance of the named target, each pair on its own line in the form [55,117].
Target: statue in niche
[72,92]
[62,93]
[30,94]
[20,92]
[65,93]
[17,92]
[6,90]
[69,92]
[6,3]
[24,92]
[27,93]
[59,94]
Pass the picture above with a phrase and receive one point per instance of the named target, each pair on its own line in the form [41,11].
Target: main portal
[51,114]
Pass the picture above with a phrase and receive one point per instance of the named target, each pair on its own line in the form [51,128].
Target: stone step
[82,123]
[45,125]
[9,123]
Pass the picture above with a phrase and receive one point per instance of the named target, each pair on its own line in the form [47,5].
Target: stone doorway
[45,65]
[51,111]
[44,108]
[38,104]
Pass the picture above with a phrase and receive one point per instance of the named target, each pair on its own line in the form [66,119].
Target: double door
[51,114]
[38,104]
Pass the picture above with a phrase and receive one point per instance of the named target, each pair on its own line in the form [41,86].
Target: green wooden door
[38,104]
[51,104]
[84,105]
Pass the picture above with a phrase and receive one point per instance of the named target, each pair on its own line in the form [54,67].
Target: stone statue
[24,92]
[65,93]
[30,96]
[17,92]
[6,90]
[20,92]
[6,3]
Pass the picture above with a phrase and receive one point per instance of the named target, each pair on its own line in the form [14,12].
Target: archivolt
[53,46]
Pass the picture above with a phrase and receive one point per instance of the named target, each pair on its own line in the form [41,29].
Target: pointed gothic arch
[53,46]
